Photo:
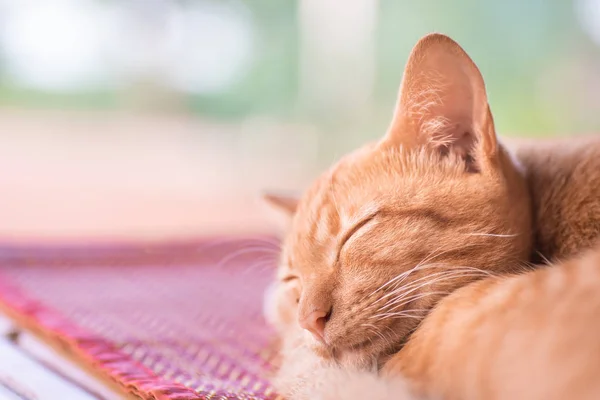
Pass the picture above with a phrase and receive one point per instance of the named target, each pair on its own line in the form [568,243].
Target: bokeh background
[165,118]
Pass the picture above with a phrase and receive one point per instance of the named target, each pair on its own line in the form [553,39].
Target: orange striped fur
[529,336]
[415,250]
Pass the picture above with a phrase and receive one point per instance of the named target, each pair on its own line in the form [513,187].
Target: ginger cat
[415,249]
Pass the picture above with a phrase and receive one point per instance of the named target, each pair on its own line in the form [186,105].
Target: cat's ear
[285,202]
[442,103]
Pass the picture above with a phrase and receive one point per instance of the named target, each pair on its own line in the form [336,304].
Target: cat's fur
[305,375]
[563,176]
[435,206]
[530,336]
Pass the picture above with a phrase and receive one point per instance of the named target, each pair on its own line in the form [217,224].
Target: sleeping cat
[439,210]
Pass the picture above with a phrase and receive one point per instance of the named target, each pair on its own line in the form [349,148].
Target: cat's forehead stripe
[323,227]
[325,214]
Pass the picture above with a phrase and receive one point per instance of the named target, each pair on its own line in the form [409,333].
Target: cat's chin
[363,356]
[348,359]
[358,361]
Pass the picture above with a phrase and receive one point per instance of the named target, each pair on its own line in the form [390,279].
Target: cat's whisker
[524,267]
[268,259]
[210,244]
[376,331]
[400,314]
[425,261]
[461,268]
[415,311]
[394,292]
[439,279]
[259,266]
[272,241]
[438,276]
[370,340]
[431,256]
[239,253]
[544,258]
[498,235]
[269,239]
[391,335]
[382,315]
[398,279]
[455,270]
[392,281]
[263,248]
[399,302]
[385,339]
[267,247]
[425,281]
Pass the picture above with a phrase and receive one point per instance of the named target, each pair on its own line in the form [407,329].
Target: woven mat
[179,321]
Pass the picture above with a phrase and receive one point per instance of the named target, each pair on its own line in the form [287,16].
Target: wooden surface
[32,370]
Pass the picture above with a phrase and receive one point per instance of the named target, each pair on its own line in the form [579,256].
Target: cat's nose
[315,322]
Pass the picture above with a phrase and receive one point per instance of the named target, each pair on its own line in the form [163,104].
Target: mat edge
[86,349]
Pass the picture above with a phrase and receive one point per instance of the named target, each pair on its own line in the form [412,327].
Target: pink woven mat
[180,321]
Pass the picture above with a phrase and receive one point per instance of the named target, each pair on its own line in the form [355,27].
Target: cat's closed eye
[288,278]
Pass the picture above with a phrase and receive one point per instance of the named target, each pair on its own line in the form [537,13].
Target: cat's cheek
[270,304]
[278,310]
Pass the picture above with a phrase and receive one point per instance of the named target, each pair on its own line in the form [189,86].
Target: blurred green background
[297,82]
[538,57]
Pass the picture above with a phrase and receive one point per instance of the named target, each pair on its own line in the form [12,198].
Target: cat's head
[391,228]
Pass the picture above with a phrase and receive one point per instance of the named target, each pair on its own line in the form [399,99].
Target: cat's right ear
[284,202]
[442,104]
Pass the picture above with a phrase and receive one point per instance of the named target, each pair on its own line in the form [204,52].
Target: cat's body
[532,336]
[438,210]
[563,176]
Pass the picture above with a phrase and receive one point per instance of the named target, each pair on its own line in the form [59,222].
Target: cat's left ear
[442,104]
[285,202]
